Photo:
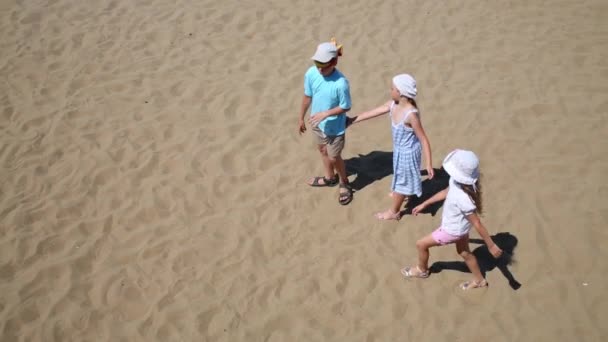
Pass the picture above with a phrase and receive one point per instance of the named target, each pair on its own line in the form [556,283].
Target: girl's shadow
[376,165]
[430,187]
[369,168]
[506,241]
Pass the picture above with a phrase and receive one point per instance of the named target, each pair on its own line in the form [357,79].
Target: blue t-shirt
[327,93]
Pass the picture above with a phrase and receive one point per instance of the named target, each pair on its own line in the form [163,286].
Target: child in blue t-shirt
[327,93]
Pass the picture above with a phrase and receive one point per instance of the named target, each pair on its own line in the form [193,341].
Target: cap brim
[322,59]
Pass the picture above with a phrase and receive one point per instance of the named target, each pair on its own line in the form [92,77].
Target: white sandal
[469,285]
[409,272]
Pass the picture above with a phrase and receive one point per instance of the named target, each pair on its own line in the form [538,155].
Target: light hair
[474,193]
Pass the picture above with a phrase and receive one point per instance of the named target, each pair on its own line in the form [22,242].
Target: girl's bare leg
[462,247]
[394,212]
[422,269]
[423,246]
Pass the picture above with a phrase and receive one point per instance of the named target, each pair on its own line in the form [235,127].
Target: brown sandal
[345,197]
[316,182]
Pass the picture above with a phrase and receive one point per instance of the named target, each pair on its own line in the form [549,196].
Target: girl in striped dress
[409,143]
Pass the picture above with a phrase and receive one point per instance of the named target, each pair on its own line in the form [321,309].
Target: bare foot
[388,215]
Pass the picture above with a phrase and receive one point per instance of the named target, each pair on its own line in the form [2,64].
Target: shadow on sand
[369,168]
[376,165]
[430,187]
[505,240]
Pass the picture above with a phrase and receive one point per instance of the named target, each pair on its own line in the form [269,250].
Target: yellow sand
[152,178]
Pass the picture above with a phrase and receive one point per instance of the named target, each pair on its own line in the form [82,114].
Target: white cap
[325,52]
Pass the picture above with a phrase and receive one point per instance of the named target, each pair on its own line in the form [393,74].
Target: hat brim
[321,59]
[455,173]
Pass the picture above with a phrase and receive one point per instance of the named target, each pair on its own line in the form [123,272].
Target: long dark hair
[411,101]
[474,194]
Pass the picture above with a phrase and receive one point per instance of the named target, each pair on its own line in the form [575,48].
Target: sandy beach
[152,183]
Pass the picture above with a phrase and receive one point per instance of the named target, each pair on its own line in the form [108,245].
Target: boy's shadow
[506,241]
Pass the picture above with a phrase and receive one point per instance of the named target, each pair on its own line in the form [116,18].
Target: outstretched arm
[440,196]
[426,146]
[383,109]
[483,232]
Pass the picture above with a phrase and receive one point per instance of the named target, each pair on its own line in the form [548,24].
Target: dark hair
[474,194]
[413,102]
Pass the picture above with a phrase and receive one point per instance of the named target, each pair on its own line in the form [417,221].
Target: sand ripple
[152,177]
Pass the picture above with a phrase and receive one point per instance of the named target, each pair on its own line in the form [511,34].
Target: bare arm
[483,232]
[416,124]
[303,109]
[440,196]
[318,117]
[343,98]
[383,109]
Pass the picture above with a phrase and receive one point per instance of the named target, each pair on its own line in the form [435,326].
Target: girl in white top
[460,211]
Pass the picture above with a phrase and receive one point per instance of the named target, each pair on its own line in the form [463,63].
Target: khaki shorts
[334,143]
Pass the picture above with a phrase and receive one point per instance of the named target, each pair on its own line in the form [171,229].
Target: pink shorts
[443,238]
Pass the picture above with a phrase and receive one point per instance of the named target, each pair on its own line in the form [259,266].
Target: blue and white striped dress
[407,156]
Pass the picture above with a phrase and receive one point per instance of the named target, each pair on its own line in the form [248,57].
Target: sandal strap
[422,273]
[347,196]
[333,180]
[472,284]
[326,182]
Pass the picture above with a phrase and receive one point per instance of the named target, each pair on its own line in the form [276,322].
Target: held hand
[495,251]
[418,209]
[302,126]
[317,118]
[430,172]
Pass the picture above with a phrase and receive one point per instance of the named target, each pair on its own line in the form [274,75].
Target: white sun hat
[462,166]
